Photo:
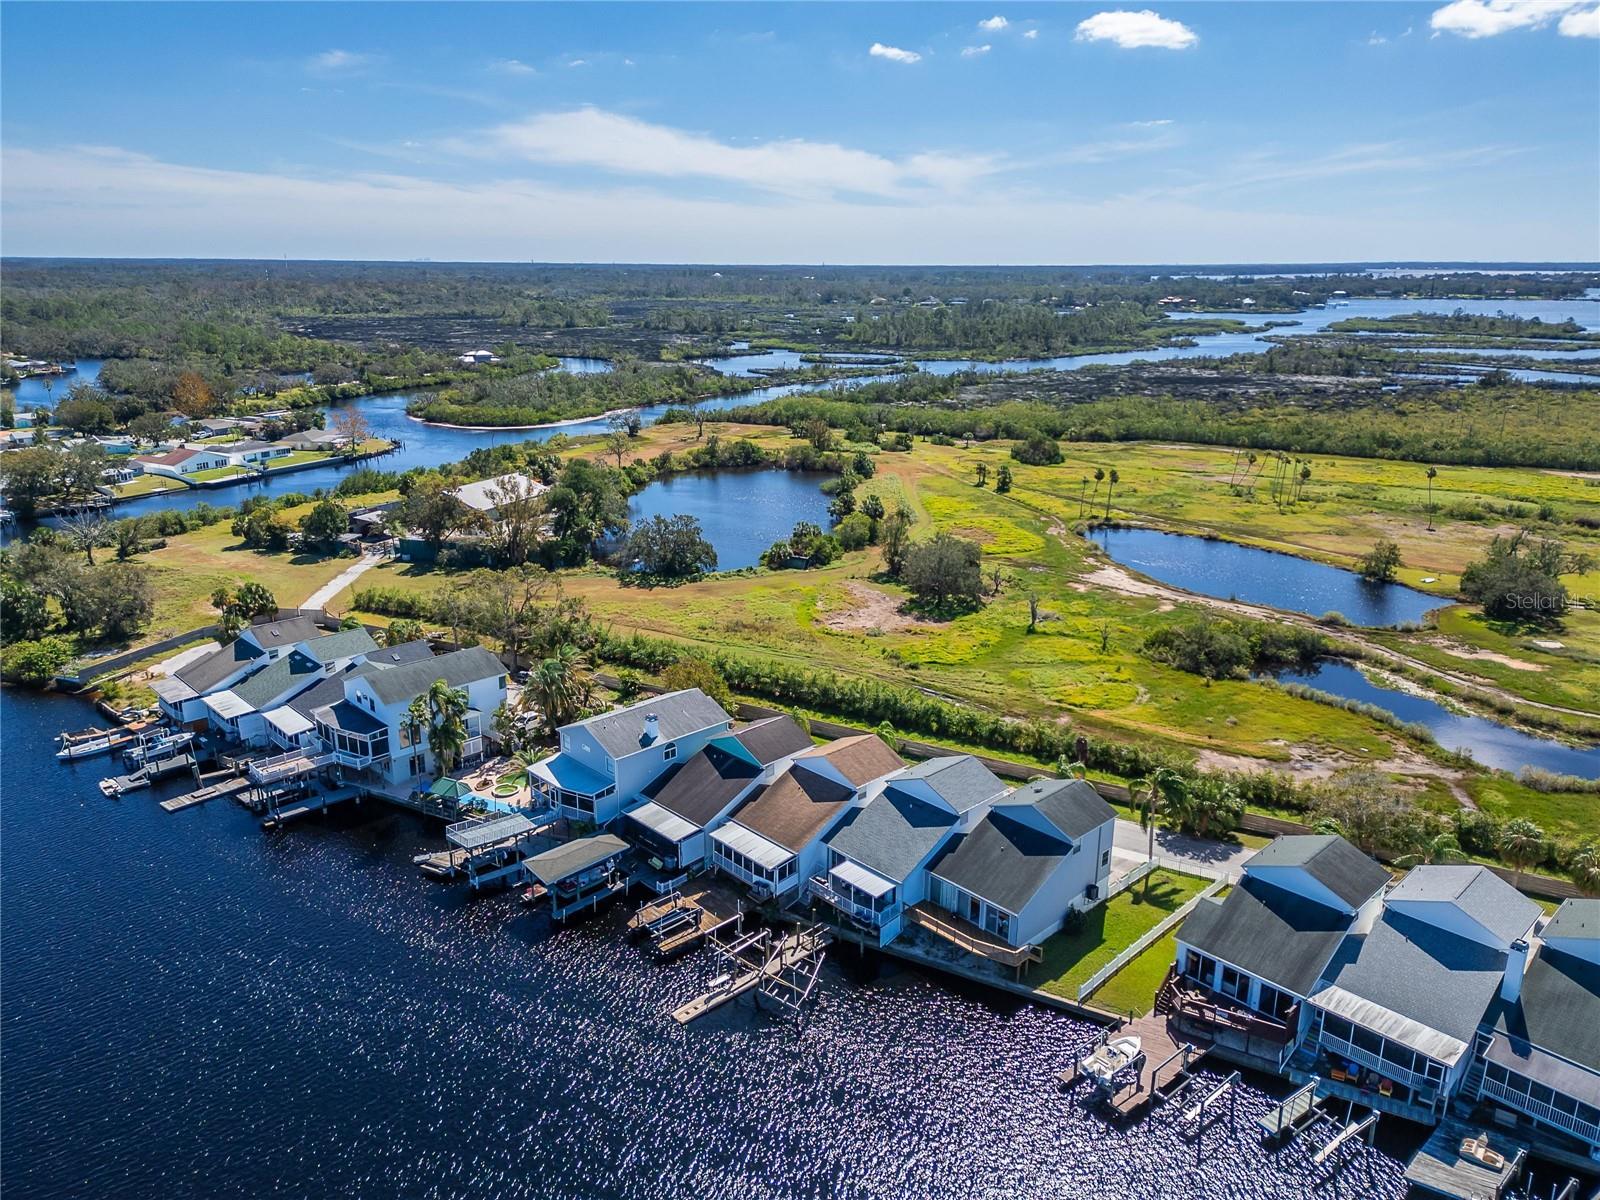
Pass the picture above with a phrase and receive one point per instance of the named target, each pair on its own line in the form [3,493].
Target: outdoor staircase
[1167,994]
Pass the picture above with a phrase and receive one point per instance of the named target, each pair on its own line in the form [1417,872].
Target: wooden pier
[280,815]
[786,971]
[231,786]
[1163,1074]
[683,919]
[1444,1167]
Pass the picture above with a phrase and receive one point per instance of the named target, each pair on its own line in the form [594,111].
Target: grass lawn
[216,473]
[1133,989]
[148,485]
[298,458]
[1109,929]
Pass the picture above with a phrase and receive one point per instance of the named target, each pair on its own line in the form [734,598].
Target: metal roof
[567,773]
[1397,1027]
[228,706]
[288,722]
[752,845]
[668,824]
[475,835]
[583,854]
[863,880]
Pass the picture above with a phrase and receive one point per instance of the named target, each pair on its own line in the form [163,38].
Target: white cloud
[1585,22]
[511,66]
[1135,30]
[994,24]
[1031,34]
[333,61]
[579,62]
[1151,124]
[894,53]
[975,51]
[625,145]
[1377,39]
[1490,18]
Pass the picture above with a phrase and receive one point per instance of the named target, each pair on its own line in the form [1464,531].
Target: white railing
[1147,939]
[280,766]
[823,890]
[1548,1113]
[1414,1080]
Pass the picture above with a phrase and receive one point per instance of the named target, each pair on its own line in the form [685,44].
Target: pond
[741,512]
[1490,743]
[1229,571]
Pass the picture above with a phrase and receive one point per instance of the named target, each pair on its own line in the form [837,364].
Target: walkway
[344,579]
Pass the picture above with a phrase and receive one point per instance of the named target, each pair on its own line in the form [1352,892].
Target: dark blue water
[1490,743]
[1230,571]
[741,512]
[196,1009]
[43,391]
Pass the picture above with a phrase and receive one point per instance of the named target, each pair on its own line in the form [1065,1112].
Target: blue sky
[951,133]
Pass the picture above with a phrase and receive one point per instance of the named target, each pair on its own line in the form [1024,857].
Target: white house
[369,734]
[774,842]
[696,794]
[291,726]
[605,762]
[182,462]
[486,495]
[238,712]
[1041,852]
[473,358]
[877,859]
[249,453]
[182,694]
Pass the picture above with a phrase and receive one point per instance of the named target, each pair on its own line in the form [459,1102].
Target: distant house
[180,463]
[605,762]
[116,475]
[473,358]
[312,439]
[1041,852]
[697,793]
[486,495]
[775,841]
[877,860]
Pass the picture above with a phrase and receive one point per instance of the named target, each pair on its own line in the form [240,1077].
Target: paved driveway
[1198,855]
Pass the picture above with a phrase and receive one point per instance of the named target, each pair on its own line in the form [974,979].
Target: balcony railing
[1426,1089]
[826,892]
[1539,1110]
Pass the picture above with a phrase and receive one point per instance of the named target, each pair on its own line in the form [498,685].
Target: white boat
[159,746]
[1106,1061]
[89,742]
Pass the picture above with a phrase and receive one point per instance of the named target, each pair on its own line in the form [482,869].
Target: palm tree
[1217,804]
[1099,476]
[1162,791]
[561,686]
[1438,848]
[416,720]
[1585,868]
[1074,768]
[1521,845]
[447,728]
[1109,486]
[1432,471]
[1083,487]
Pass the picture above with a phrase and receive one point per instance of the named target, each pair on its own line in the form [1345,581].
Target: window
[1235,983]
[1105,858]
[501,683]
[671,752]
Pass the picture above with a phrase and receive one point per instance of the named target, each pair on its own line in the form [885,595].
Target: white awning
[173,690]
[863,880]
[668,824]
[1401,1030]
[288,722]
[752,845]
[227,706]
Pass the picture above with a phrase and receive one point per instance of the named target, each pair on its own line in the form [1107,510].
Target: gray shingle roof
[287,632]
[1269,932]
[961,780]
[402,684]
[1575,919]
[206,673]
[290,674]
[1002,861]
[1439,979]
[892,833]
[349,717]
[552,866]
[1071,805]
[1559,1009]
[678,714]
[331,690]
[346,643]
[1330,860]
[773,738]
[1476,891]
[700,787]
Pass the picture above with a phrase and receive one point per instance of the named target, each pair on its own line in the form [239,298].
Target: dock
[231,786]
[683,919]
[282,814]
[1161,1073]
[1444,1168]
[118,785]
[786,971]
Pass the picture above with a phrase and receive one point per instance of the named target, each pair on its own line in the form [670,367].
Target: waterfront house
[474,358]
[181,695]
[696,794]
[1540,1048]
[605,762]
[312,439]
[486,495]
[877,858]
[291,726]
[181,462]
[237,712]
[1395,1016]
[253,453]
[369,731]
[1040,853]
[775,840]
[1246,963]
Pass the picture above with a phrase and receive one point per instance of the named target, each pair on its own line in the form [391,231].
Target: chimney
[1516,964]
[652,730]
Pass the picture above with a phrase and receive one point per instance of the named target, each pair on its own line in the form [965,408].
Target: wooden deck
[686,918]
[1440,1169]
[213,791]
[1298,1108]
[792,950]
[945,924]
[1164,1072]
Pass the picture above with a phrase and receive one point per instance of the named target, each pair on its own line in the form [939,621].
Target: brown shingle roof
[794,808]
[860,759]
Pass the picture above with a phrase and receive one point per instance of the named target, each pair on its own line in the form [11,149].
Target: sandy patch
[1457,650]
[1549,644]
[869,608]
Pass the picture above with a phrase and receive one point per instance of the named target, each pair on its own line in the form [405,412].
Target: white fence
[1150,937]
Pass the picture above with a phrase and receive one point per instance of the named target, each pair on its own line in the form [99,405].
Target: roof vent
[652,730]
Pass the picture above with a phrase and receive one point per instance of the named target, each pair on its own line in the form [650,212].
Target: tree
[1380,563]
[510,606]
[1584,867]
[1518,578]
[29,476]
[238,609]
[191,396]
[894,534]
[116,599]
[854,532]
[692,671]
[149,427]
[1037,450]
[945,572]
[263,528]
[586,504]
[1099,478]
[1433,473]
[36,662]
[872,508]
[82,472]
[1110,485]
[617,443]
[447,728]
[1002,479]
[435,514]
[398,633]
[1431,846]
[1369,809]
[670,548]
[24,612]
[324,525]
[519,522]
[560,687]
[85,410]
[1163,792]
[1215,806]
[84,529]
[352,428]
[1522,845]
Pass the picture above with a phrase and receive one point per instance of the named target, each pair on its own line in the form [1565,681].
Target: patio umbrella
[450,789]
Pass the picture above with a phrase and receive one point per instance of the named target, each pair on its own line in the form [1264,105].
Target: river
[195,1008]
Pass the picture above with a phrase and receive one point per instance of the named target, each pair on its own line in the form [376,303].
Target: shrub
[1037,450]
